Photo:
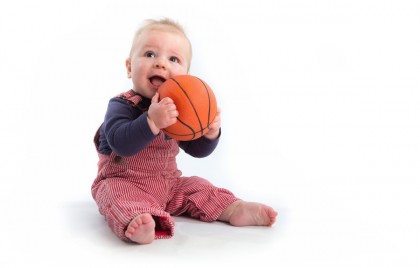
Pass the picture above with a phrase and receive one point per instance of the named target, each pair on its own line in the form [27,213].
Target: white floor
[50,221]
[321,120]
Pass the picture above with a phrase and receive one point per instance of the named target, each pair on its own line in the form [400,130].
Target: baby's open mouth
[157,80]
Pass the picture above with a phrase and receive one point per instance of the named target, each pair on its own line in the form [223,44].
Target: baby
[139,187]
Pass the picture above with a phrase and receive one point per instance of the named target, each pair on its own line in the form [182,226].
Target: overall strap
[131,97]
[135,100]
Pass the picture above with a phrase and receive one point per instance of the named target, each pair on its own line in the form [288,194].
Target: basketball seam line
[208,97]
[176,134]
[192,105]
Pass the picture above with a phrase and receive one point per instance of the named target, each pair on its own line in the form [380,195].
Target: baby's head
[160,51]
[165,25]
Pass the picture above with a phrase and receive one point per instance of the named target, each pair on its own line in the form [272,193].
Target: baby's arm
[126,131]
[200,147]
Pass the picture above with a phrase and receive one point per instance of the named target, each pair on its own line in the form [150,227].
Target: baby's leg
[242,213]
[141,229]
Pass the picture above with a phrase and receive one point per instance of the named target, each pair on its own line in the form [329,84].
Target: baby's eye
[149,54]
[174,59]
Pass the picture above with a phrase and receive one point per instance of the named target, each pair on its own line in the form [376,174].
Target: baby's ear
[128,66]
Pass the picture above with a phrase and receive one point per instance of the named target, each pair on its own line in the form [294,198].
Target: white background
[321,120]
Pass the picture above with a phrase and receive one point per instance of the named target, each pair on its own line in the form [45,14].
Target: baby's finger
[166,100]
[155,98]
[170,107]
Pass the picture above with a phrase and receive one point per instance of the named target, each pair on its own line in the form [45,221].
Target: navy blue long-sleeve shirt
[125,131]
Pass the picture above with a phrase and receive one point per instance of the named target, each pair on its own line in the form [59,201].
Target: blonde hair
[160,25]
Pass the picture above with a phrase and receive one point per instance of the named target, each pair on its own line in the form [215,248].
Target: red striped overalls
[150,182]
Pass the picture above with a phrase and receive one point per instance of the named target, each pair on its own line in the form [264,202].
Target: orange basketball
[196,105]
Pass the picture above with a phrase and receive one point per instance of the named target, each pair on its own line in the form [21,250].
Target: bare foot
[242,213]
[141,229]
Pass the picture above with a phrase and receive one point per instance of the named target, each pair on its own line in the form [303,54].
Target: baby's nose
[160,63]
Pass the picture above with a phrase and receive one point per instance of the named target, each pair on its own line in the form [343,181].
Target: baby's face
[158,55]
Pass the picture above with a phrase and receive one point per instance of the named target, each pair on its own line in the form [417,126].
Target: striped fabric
[150,182]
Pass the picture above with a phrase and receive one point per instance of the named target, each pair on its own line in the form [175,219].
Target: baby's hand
[214,127]
[161,114]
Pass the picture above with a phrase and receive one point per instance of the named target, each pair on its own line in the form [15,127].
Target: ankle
[227,213]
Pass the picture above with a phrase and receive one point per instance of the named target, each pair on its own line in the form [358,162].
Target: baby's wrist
[155,130]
